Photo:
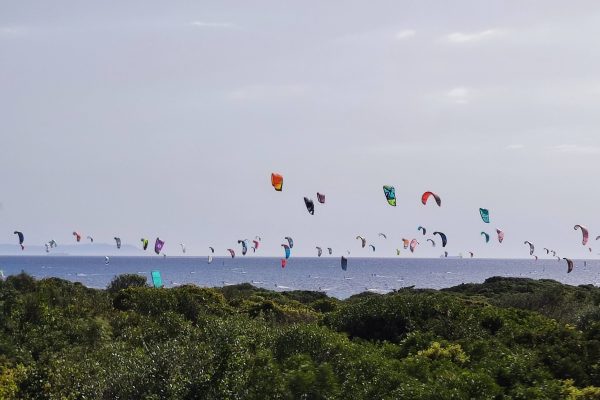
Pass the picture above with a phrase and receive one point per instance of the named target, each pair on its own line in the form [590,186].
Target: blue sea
[379,275]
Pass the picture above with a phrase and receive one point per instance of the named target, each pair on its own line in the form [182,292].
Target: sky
[145,119]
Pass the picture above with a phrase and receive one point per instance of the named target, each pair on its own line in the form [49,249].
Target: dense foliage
[505,338]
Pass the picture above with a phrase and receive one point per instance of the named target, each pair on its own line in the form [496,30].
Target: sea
[378,275]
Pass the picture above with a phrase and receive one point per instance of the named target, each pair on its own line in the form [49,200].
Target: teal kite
[485,215]
[390,195]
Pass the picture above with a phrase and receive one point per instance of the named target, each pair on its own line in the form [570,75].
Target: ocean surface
[380,275]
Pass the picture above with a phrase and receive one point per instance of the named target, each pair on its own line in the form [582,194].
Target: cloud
[12,31]
[213,25]
[405,34]
[459,95]
[474,37]
[576,149]
[267,92]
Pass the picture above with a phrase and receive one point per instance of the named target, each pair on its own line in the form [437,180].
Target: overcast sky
[166,119]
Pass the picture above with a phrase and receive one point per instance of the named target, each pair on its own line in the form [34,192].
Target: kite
[427,195]
[212,250]
[371,246]
[277,181]
[320,198]
[344,263]
[383,235]
[231,252]
[156,279]
[330,250]
[106,260]
[91,239]
[413,245]
[118,242]
[471,253]
[405,242]
[500,235]
[283,262]
[363,241]
[485,215]
[432,242]
[319,251]
[144,243]
[310,205]
[487,237]
[584,233]
[531,247]
[443,237]
[569,264]
[21,238]
[244,248]
[52,243]
[397,252]
[390,195]
[158,245]
[256,244]
[182,247]
[421,228]
[290,241]
[287,250]
[47,248]
[77,236]
[210,258]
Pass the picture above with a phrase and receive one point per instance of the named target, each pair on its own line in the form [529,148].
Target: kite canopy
[344,263]
[500,235]
[212,250]
[319,251]
[485,215]
[486,236]
[277,182]
[432,242]
[118,242]
[144,243]
[310,205]
[371,246]
[158,245]
[21,238]
[182,247]
[91,239]
[231,252]
[531,247]
[390,195]
[321,198]
[330,250]
[283,262]
[406,243]
[584,232]
[290,241]
[443,237]
[427,195]
[244,247]
[569,264]
[413,245]
[156,279]
[287,250]
[383,235]
[422,228]
[363,241]
[77,236]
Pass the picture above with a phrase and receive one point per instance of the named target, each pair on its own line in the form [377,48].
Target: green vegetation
[504,339]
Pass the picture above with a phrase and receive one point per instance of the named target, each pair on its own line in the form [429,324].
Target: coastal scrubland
[507,338]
